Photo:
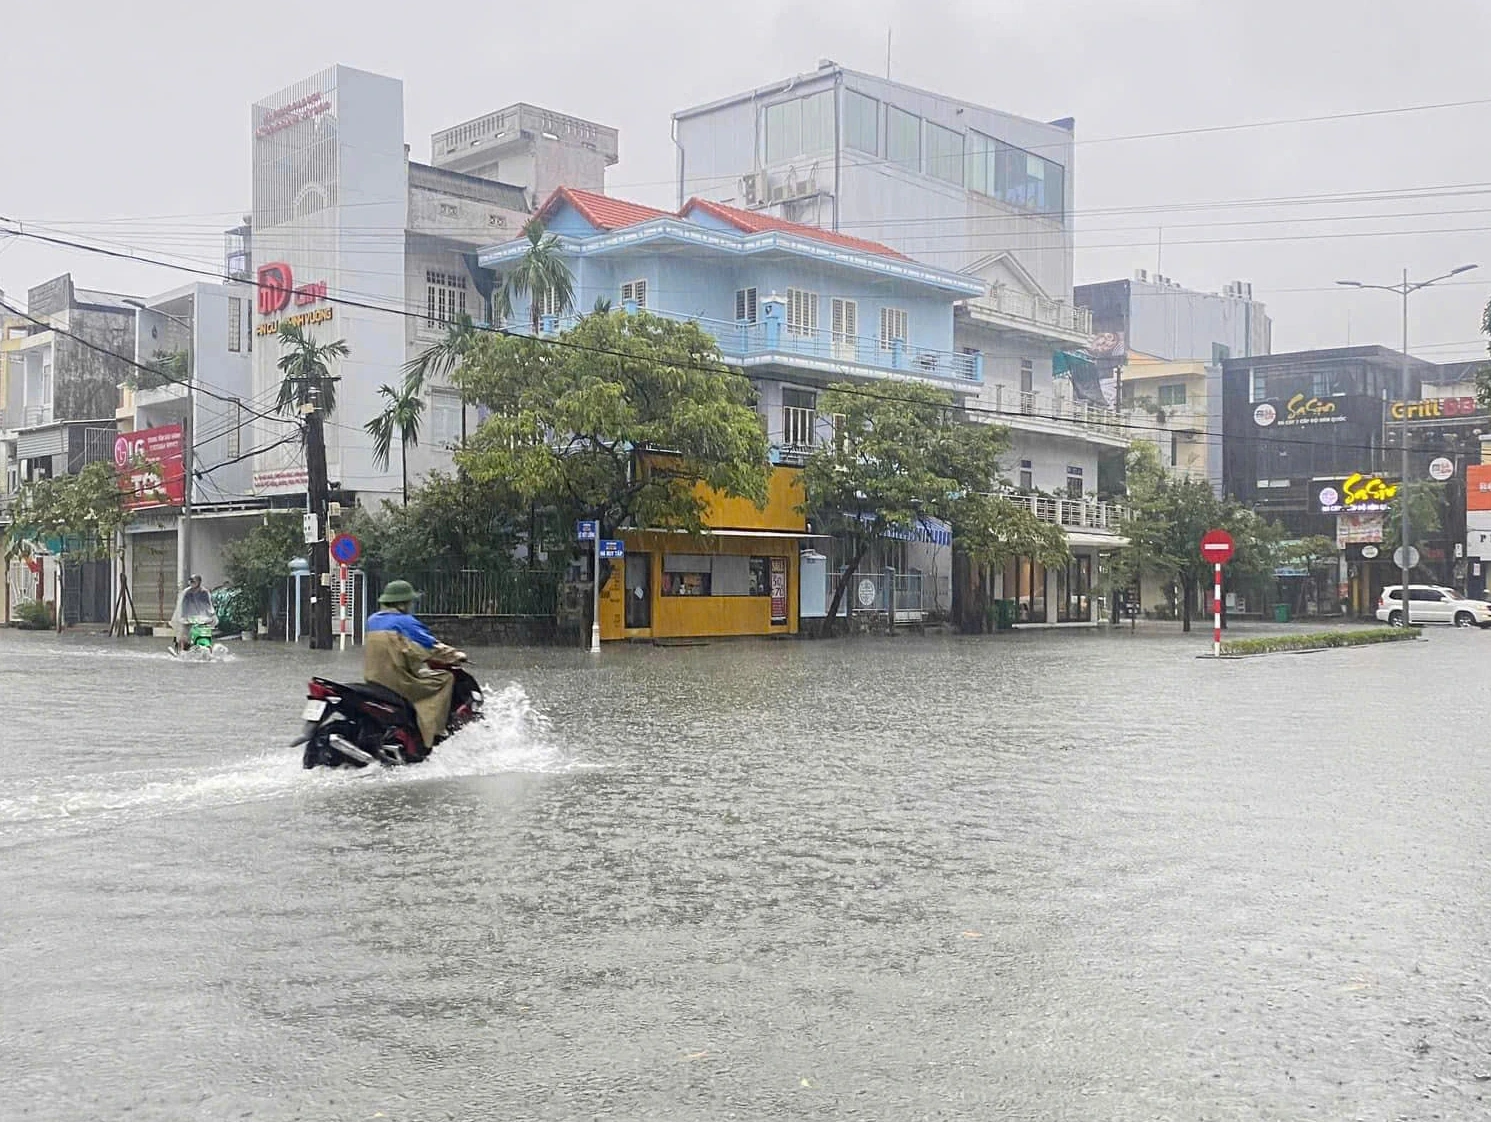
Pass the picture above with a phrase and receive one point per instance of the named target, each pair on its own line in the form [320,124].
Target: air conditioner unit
[752,187]
[1141,275]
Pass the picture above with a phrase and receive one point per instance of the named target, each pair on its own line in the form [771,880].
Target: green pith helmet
[398,592]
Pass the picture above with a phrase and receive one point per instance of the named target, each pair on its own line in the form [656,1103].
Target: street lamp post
[188,434]
[1404,289]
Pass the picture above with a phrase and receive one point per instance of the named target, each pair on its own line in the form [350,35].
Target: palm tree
[541,272]
[400,414]
[440,360]
[306,366]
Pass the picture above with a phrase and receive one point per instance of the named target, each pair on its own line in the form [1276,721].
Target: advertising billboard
[150,467]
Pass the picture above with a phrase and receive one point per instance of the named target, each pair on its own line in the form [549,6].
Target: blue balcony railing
[770,340]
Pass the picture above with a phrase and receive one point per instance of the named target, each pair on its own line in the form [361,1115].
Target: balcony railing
[1034,404]
[1069,319]
[771,340]
[1072,514]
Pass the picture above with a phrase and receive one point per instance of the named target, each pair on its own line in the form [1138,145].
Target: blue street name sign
[586,531]
[612,549]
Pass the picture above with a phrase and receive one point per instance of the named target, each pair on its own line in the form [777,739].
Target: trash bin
[1004,615]
[1281,613]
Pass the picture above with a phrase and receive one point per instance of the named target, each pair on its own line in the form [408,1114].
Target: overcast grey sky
[121,112]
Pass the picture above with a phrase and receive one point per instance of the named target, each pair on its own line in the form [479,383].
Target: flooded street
[1040,877]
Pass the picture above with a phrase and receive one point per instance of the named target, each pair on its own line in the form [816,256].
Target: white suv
[1432,603]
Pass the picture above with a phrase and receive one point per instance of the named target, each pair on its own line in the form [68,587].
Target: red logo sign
[1216,546]
[150,467]
[275,284]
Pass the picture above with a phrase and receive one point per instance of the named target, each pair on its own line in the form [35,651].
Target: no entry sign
[1217,547]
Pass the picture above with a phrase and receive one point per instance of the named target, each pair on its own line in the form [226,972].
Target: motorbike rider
[193,605]
[396,651]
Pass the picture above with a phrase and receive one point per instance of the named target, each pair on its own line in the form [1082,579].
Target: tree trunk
[1188,594]
[848,575]
[404,468]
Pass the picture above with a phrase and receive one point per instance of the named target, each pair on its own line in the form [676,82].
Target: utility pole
[1405,289]
[317,489]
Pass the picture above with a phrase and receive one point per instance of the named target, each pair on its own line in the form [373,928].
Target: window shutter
[745,305]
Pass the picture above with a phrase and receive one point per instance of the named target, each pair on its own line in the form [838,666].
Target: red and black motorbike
[360,724]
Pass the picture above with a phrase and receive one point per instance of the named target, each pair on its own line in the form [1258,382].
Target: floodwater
[1083,877]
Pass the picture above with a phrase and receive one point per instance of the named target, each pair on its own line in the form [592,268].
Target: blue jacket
[404,624]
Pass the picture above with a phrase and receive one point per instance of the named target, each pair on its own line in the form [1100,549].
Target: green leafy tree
[82,513]
[540,273]
[902,455]
[439,360]
[306,366]
[258,563]
[450,522]
[1426,504]
[400,418]
[164,368]
[618,420]
[1166,519]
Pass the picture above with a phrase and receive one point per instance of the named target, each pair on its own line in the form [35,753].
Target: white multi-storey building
[968,189]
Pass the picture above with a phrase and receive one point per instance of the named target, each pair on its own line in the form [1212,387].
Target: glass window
[1074,591]
[976,161]
[944,154]
[445,418]
[802,126]
[861,122]
[1027,181]
[1174,394]
[783,131]
[903,138]
[818,123]
[1025,583]
[1027,476]
[687,574]
[760,577]
[1027,375]
[1425,594]
[235,324]
[1074,482]
[894,324]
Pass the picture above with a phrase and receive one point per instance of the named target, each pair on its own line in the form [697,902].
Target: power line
[721,367]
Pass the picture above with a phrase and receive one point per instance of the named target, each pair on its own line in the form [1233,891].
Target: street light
[184,553]
[1403,289]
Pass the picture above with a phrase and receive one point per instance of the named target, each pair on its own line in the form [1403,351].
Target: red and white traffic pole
[1216,612]
[342,610]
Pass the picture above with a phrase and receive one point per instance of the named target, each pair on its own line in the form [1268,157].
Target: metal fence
[481,592]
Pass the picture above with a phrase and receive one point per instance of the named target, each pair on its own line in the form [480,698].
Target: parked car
[1432,603]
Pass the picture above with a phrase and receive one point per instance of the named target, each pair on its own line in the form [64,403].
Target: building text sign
[1435,408]
[1356,493]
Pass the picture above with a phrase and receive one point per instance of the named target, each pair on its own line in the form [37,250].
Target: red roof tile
[601,211]
[754,222]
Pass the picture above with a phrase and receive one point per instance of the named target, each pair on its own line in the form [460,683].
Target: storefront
[740,577]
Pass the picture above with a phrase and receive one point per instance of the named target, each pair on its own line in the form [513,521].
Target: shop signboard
[778,590]
[1478,487]
[1354,494]
[1358,529]
[1299,410]
[1434,409]
[150,467]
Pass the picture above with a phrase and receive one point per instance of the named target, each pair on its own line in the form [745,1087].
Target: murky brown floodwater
[1080,877]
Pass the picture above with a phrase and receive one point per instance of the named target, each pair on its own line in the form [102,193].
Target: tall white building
[355,241]
[969,189]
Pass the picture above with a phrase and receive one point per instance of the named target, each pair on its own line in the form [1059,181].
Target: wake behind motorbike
[359,724]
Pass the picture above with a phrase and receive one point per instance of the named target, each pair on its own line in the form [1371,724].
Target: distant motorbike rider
[193,605]
[396,653]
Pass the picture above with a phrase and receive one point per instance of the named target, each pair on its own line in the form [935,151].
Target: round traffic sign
[1217,546]
[346,549]
[1441,468]
[1412,558]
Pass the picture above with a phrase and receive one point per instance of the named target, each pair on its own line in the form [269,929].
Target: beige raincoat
[395,660]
